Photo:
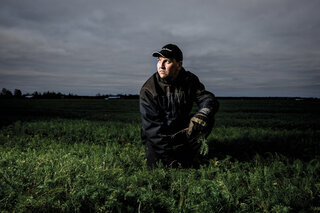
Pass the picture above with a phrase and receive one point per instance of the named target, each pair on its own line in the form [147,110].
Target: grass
[86,155]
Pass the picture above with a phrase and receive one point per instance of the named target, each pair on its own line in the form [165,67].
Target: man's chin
[163,76]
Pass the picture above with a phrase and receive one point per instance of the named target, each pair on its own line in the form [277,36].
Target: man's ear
[179,65]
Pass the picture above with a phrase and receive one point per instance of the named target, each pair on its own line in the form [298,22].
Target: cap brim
[162,53]
[157,54]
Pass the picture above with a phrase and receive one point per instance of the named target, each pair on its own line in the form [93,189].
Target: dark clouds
[237,48]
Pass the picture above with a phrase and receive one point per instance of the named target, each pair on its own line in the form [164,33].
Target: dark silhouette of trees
[6,93]
[17,93]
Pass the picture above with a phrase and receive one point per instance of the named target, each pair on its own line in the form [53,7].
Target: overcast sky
[236,47]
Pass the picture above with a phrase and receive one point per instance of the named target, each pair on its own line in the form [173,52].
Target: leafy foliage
[58,163]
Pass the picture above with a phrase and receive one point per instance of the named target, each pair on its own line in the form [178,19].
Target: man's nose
[162,65]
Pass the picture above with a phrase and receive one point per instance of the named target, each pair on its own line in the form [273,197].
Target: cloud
[234,46]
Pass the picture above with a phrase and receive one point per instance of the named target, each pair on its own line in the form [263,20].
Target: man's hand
[197,125]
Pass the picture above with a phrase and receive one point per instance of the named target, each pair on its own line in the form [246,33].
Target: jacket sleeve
[205,99]
[153,125]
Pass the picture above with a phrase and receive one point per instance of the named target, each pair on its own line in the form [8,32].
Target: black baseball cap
[169,51]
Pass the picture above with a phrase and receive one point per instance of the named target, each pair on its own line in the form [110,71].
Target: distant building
[112,97]
[29,96]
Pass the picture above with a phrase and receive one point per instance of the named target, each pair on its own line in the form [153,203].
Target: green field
[86,156]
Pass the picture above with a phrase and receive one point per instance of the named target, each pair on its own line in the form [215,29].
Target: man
[168,131]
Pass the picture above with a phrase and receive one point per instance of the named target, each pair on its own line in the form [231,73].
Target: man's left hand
[197,125]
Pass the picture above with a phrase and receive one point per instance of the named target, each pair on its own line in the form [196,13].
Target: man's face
[168,68]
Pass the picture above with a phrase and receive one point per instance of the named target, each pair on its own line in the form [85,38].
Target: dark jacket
[165,108]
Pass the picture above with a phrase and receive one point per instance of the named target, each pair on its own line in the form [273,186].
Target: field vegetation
[86,155]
